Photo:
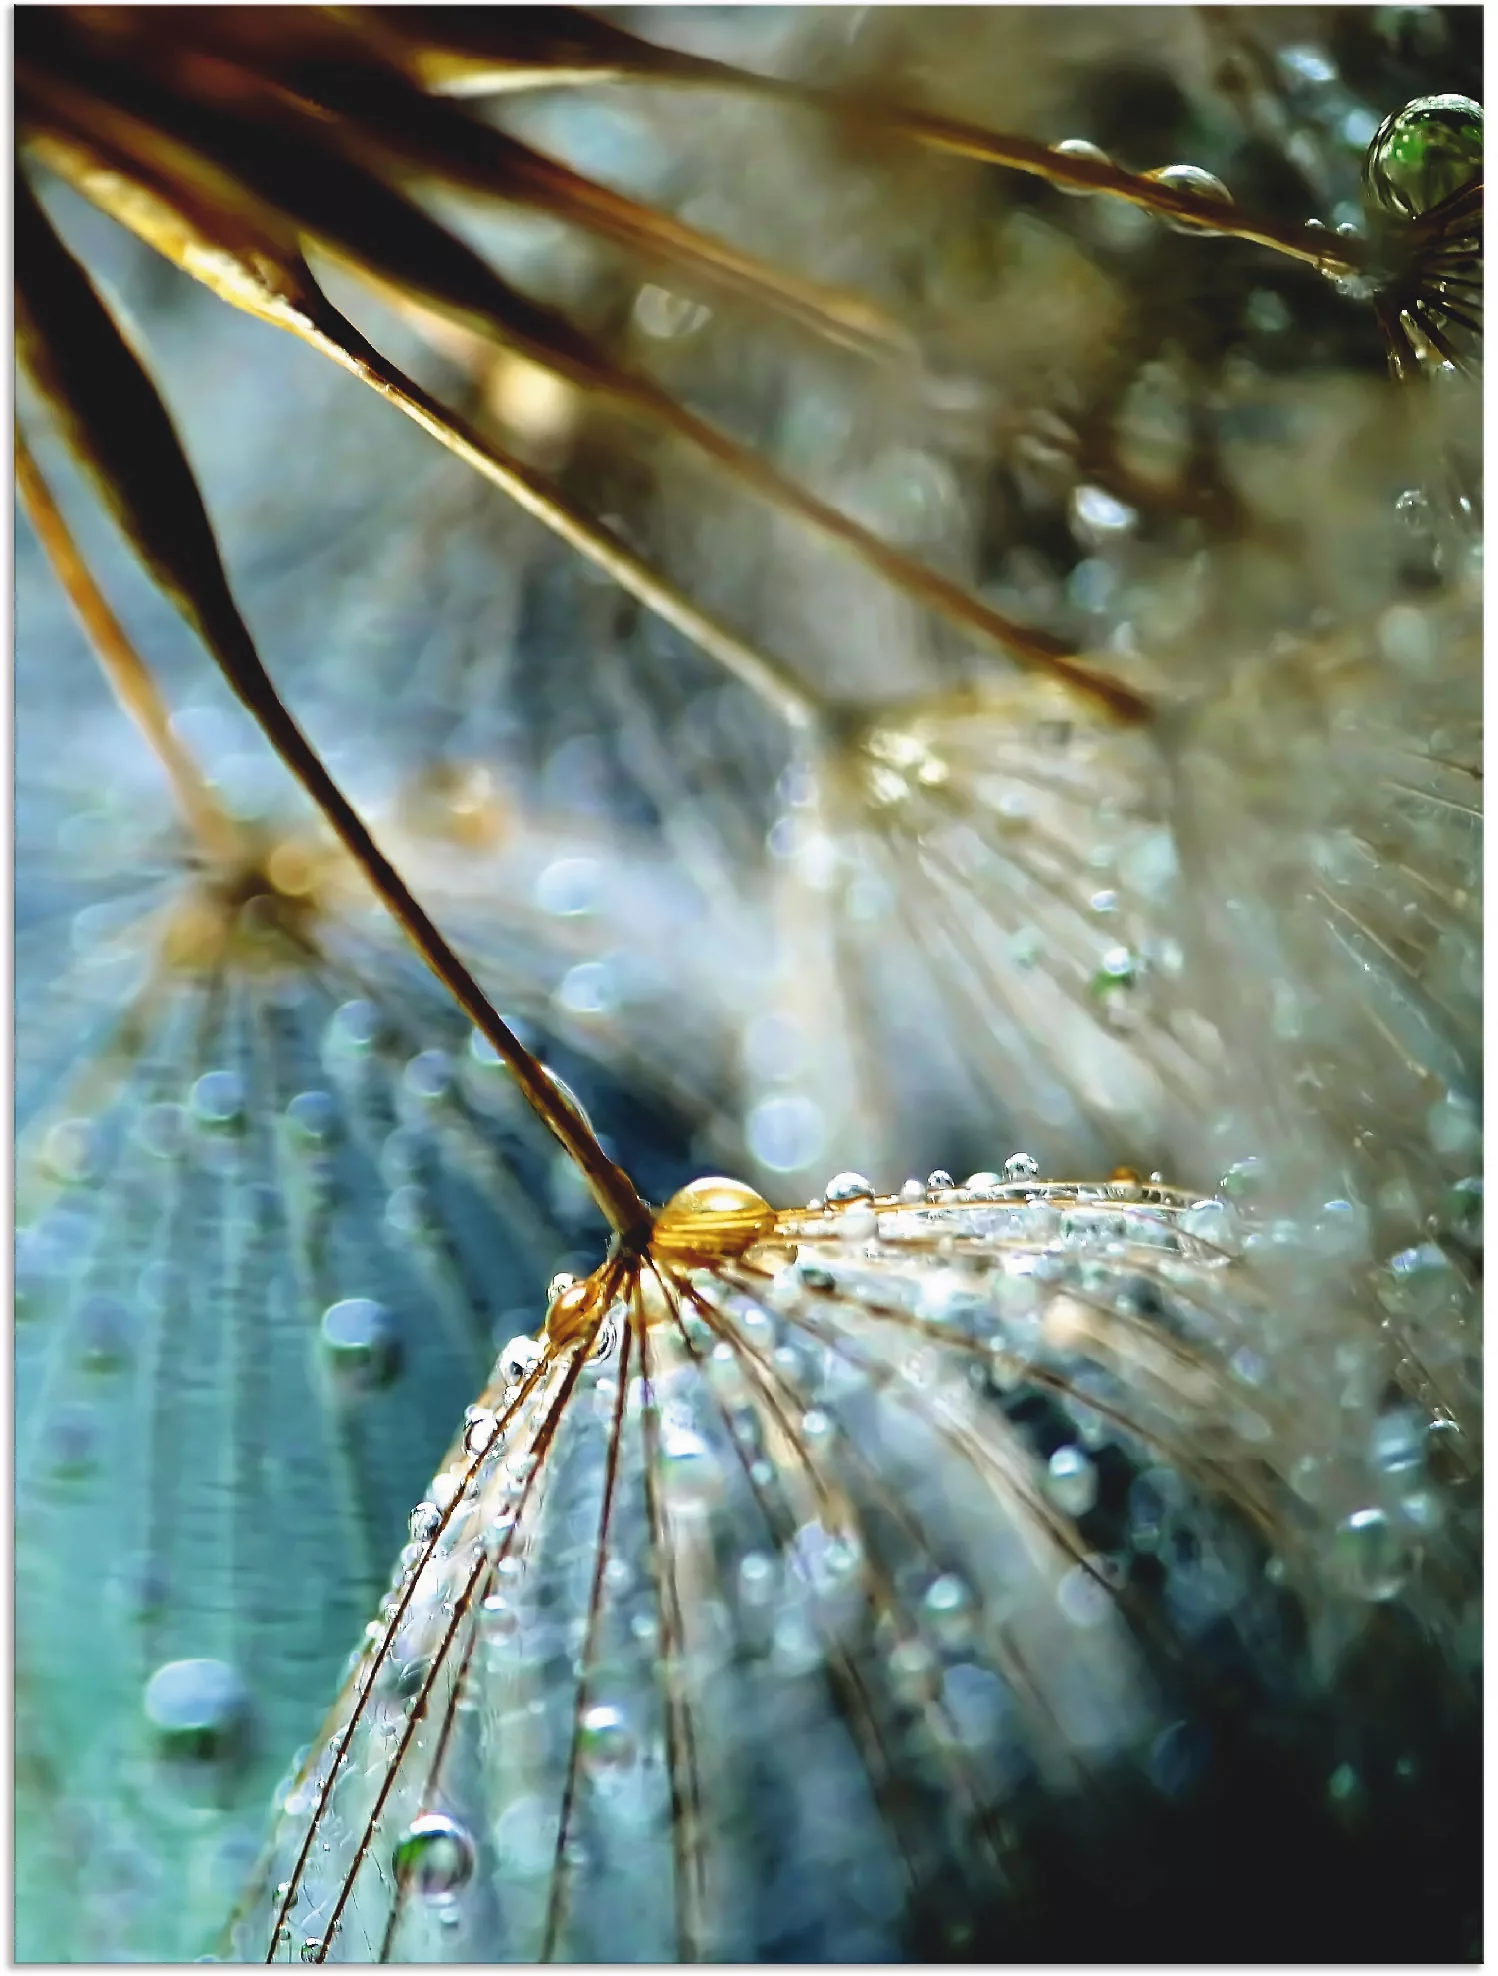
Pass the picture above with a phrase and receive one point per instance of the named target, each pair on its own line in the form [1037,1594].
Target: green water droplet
[1424,153]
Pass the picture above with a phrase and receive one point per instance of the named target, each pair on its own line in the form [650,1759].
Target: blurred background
[278,1207]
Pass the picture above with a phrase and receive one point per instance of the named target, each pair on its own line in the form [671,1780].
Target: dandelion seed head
[958,1554]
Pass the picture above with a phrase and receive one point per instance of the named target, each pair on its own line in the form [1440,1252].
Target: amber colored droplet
[570,1310]
[1125,1175]
[711,1218]
[291,869]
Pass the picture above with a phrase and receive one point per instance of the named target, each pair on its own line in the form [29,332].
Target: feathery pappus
[869,1581]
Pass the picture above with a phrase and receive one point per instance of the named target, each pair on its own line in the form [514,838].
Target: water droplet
[361,1344]
[1304,64]
[570,887]
[498,1620]
[1371,1555]
[605,1744]
[218,1100]
[914,1671]
[661,314]
[425,1522]
[710,1219]
[1464,1212]
[982,1183]
[478,1430]
[1341,1230]
[1190,178]
[1420,1282]
[434,1857]
[162,1130]
[590,988]
[757,1579]
[1424,153]
[1118,968]
[313,1118]
[198,1710]
[1084,1598]
[72,1150]
[948,1609]
[1020,1166]
[429,1076]
[519,1358]
[1342,1784]
[569,1099]
[1397,1444]
[1098,516]
[846,1189]
[912,1192]
[1215,1224]
[105,1331]
[311,1948]
[1089,153]
[355,1028]
[1071,1481]
[72,1440]
[940,1182]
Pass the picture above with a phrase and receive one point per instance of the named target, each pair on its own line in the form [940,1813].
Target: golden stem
[625,57]
[767,678]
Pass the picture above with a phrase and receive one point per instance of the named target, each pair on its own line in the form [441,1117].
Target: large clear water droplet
[434,1857]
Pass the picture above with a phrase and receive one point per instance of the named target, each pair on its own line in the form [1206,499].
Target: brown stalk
[451,54]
